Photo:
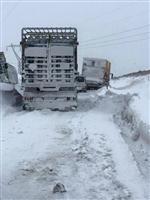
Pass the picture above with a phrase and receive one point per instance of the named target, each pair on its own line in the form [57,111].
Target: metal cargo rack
[31,35]
[49,59]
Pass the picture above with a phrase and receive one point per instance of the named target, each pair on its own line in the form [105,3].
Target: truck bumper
[54,101]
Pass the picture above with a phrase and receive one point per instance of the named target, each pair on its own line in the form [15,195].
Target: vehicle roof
[98,59]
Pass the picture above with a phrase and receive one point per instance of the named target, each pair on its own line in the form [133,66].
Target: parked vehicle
[8,73]
[96,72]
[49,63]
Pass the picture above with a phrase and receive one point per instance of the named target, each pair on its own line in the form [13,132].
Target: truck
[96,72]
[8,73]
[49,64]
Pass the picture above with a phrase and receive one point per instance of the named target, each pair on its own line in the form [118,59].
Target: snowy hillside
[100,151]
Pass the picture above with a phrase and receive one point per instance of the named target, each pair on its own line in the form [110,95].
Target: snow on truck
[96,72]
[49,64]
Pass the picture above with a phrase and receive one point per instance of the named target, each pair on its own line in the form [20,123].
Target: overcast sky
[117,31]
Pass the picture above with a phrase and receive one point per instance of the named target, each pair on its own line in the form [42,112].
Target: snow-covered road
[85,150]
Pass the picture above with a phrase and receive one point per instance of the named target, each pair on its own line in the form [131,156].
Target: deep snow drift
[100,151]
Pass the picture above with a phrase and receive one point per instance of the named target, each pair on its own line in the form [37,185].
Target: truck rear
[96,72]
[49,63]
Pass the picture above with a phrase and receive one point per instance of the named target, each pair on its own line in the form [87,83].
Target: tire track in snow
[92,146]
[122,155]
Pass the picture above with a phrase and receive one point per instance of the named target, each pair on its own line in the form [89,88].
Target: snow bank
[132,116]
[139,86]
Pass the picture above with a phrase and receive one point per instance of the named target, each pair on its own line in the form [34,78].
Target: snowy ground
[100,151]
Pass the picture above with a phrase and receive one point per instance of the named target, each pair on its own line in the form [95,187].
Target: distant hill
[138,73]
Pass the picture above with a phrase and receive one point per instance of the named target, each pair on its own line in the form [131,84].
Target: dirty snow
[98,151]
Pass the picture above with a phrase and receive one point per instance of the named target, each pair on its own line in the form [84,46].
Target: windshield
[80,79]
